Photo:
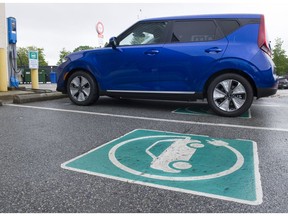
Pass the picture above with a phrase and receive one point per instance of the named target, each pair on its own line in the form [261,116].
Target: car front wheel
[230,95]
[82,88]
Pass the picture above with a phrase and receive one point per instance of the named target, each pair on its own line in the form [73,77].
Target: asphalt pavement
[38,137]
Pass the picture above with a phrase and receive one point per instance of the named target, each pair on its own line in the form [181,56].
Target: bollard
[34,79]
[3,70]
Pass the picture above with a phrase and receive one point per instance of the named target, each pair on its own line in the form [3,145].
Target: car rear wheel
[82,88]
[230,95]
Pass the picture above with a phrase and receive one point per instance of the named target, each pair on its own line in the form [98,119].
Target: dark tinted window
[195,31]
[228,26]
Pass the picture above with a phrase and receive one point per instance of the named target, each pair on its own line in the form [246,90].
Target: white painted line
[258,185]
[272,105]
[265,104]
[204,113]
[275,105]
[152,119]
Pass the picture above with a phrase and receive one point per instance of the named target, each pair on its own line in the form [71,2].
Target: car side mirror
[113,42]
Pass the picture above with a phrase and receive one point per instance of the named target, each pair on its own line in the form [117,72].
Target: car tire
[230,95]
[82,88]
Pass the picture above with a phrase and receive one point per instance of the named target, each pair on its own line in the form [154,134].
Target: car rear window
[228,26]
[195,31]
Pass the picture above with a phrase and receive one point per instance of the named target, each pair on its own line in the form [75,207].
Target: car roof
[207,16]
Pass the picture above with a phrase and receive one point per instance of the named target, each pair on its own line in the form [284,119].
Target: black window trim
[169,29]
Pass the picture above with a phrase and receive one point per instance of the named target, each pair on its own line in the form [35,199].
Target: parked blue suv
[224,58]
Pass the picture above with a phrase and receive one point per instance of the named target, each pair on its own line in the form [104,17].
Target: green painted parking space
[225,169]
[204,111]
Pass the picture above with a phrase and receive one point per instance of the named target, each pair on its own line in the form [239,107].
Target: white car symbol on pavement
[176,157]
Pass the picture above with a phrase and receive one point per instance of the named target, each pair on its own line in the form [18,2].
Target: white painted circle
[113,159]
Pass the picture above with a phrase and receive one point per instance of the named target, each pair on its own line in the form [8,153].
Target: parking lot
[38,140]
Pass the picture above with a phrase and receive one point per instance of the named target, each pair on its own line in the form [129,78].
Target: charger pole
[3,50]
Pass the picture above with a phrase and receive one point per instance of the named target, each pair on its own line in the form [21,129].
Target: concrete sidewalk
[25,94]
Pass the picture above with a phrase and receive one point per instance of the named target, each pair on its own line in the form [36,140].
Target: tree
[23,61]
[65,52]
[280,58]
[80,48]
[62,55]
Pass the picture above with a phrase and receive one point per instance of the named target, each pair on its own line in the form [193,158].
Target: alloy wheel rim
[229,95]
[80,88]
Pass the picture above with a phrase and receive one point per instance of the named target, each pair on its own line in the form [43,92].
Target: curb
[20,99]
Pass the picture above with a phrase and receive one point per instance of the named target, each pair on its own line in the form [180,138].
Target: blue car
[223,58]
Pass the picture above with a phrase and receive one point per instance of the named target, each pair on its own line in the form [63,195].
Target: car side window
[228,26]
[195,31]
[144,33]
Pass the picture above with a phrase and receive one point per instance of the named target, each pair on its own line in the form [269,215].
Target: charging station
[12,52]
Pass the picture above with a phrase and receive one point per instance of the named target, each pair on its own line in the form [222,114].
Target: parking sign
[33,59]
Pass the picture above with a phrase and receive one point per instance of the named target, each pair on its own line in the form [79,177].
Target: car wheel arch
[70,73]
[229,71]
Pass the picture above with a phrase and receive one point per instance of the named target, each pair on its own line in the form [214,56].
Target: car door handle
[213,50]
[151,52]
